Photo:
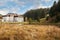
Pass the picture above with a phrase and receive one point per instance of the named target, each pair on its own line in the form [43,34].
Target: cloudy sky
[21,6]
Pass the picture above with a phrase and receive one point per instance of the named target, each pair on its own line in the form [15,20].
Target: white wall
[19,19]
[12,19]
[7,19]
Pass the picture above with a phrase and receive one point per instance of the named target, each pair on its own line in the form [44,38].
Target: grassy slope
[29,32]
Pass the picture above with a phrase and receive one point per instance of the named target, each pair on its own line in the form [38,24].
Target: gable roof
[12,14]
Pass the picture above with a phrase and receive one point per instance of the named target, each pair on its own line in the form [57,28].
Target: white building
[11,17]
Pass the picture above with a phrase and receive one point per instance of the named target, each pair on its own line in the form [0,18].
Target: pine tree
[52,10]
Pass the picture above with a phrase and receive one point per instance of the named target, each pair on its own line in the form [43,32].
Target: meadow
[29,32]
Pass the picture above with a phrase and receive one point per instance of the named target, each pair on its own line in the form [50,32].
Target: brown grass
[29,32]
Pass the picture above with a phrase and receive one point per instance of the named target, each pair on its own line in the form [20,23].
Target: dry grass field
[29,32]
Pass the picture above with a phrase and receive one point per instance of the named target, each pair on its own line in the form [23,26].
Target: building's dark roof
[13,14]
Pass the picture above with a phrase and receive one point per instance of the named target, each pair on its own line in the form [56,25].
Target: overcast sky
[21,6]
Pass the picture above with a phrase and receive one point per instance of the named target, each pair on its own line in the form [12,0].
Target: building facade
[11,17]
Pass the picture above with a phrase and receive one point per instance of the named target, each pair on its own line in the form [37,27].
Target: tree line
[36,14]
[53,12]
